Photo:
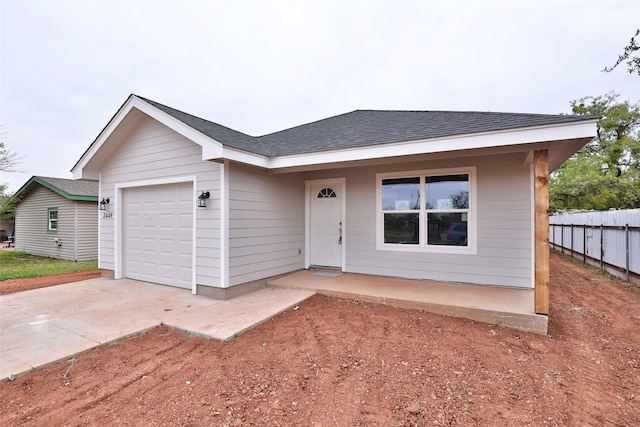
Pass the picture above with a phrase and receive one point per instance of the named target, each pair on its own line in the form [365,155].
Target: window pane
[400,194]
[447,192]
[401,228]
[448,228]
[326,192]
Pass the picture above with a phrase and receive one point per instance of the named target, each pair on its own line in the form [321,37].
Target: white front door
[325,224]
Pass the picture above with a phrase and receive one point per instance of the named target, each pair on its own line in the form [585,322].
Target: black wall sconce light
[202,199]
[103,204]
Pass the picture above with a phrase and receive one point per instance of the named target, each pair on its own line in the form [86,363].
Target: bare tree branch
[8,159]
[632,62]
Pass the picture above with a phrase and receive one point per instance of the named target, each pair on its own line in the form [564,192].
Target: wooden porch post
[541,195]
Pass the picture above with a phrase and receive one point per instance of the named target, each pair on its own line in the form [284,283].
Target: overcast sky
[263,66]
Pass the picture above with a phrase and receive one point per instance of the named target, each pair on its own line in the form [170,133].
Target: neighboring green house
[57,217]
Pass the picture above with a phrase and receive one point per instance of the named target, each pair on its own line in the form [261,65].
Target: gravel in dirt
[334,362]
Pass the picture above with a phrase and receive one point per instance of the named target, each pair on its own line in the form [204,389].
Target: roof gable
[128,116]
[365,128]
[71,189]
[222,134]
[355,136]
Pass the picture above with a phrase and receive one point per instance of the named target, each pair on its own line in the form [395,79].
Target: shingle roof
[362,128]
[72,189]
[222,134]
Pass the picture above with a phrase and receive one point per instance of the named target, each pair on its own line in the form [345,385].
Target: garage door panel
[158,235]
[184,248]
[184,222]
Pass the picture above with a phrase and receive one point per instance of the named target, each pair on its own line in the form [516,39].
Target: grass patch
[19,265]
[633,287]
[578,261]
[589,267]
[603,273]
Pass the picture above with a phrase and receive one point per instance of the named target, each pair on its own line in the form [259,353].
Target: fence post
[572,239]
[628,266]
[622,262]
[584,243]
[601,246]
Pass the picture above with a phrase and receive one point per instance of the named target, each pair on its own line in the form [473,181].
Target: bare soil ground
[337,362]
[19,285]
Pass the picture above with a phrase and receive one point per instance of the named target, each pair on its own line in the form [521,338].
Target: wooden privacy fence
[609,240]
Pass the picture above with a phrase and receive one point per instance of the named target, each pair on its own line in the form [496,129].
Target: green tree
[606,172]
[4,197]
[5,211]
[8,162]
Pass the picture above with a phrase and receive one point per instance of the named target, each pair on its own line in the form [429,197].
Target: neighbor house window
[52,223]
[427,211]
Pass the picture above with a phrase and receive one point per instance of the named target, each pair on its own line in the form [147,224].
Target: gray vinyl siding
[154,151]
[266,224]
[266,215]
[86,231]
[504,249]
[77,226]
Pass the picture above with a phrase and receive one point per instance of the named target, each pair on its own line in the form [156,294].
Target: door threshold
[327,273]
[324,267]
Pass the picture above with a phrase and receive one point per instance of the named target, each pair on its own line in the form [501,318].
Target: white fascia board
[240,156]
[78,168]
[584,129]
[210,147]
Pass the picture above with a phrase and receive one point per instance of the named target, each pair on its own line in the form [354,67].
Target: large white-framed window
[427,211]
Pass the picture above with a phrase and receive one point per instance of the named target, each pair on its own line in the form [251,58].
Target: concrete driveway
[44,325]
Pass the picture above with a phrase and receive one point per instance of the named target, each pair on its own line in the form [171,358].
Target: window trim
[423,246]
[57,211]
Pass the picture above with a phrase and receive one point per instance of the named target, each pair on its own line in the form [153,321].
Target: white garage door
[157,234]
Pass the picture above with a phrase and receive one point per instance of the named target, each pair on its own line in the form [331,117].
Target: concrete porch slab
[508,307]
[44,325]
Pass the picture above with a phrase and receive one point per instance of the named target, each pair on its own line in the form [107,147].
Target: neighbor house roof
[72,189]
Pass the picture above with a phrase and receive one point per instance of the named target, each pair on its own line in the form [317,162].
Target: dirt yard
[335,362]
[19,285]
